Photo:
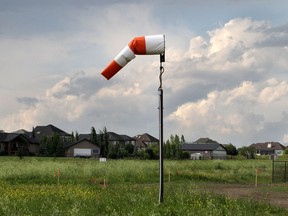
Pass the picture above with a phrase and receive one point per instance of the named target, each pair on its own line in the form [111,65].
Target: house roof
[201,147]
[116,137]
[268,146]
[21,131]
[8,137]
[49,130]
[144,139]
[112,137]
[84,136]
[205,140]
[67,145]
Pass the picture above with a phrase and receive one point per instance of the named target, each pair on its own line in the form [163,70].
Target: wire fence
[280,171]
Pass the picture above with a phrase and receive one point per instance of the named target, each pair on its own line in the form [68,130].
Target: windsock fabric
[143,45]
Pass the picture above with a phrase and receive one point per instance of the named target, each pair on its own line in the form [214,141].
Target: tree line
[53,146]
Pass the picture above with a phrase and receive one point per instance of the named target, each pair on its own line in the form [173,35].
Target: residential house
[11,143]
[144,140]
[50,130]
[80,147]
[268,148]
[115,138]
[205,148]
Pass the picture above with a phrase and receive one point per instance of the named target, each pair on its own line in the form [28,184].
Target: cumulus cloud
[236,115]
[228,85]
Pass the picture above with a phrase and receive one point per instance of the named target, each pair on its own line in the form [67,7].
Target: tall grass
[29,187]
[41,170]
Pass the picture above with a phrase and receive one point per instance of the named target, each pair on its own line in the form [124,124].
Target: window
[95,151]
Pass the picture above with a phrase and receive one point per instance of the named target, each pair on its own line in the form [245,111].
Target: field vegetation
[63,186]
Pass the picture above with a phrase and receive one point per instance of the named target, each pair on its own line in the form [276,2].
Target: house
[268,148]
[49,130]
[209,150]
[29,142]
[82,148]
[115,138]
[144,140]
[11,143]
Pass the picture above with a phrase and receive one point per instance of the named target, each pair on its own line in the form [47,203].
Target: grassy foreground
[47,186]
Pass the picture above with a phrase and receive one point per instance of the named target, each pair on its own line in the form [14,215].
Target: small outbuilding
[205,151]
[82,148]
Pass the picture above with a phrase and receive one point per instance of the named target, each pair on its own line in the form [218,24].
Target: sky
[225,72]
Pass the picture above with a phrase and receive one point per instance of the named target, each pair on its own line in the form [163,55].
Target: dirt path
[262,193]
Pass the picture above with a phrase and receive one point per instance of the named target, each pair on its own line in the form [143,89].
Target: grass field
[62,186]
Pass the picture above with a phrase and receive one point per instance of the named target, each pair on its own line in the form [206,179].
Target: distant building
[115,138]
[268,148]
[144,140]
[205,148]
[49,130]
[11,143]
[82,148]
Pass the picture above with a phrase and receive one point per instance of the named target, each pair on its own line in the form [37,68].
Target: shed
[83,145]
[206,150]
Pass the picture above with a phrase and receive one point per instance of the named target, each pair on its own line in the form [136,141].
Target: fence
[280,171]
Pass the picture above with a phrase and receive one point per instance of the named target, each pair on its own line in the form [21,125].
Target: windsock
[143,45]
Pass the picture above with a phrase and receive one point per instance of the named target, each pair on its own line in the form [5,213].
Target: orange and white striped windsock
[143,45]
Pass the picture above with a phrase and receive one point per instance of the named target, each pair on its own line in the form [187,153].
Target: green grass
[29,187]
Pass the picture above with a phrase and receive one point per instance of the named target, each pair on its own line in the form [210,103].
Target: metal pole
[160,91]
[273,167]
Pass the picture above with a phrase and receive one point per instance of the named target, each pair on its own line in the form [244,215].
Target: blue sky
[225,71]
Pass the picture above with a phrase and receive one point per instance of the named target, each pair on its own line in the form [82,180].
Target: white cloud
[232,84]
[241,112]
[228,85]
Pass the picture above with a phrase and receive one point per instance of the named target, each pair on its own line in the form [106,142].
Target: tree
[22,150]
[72,137]
[58,145]
[93,136]
[51,146]
[177,147]
[231,149]
[150,154]
[167,149]
[76,136]
[182,140]
[248,152]
[129,148]
[112,152]
[33,132]
[172,147]
[104,142]
[44,147]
